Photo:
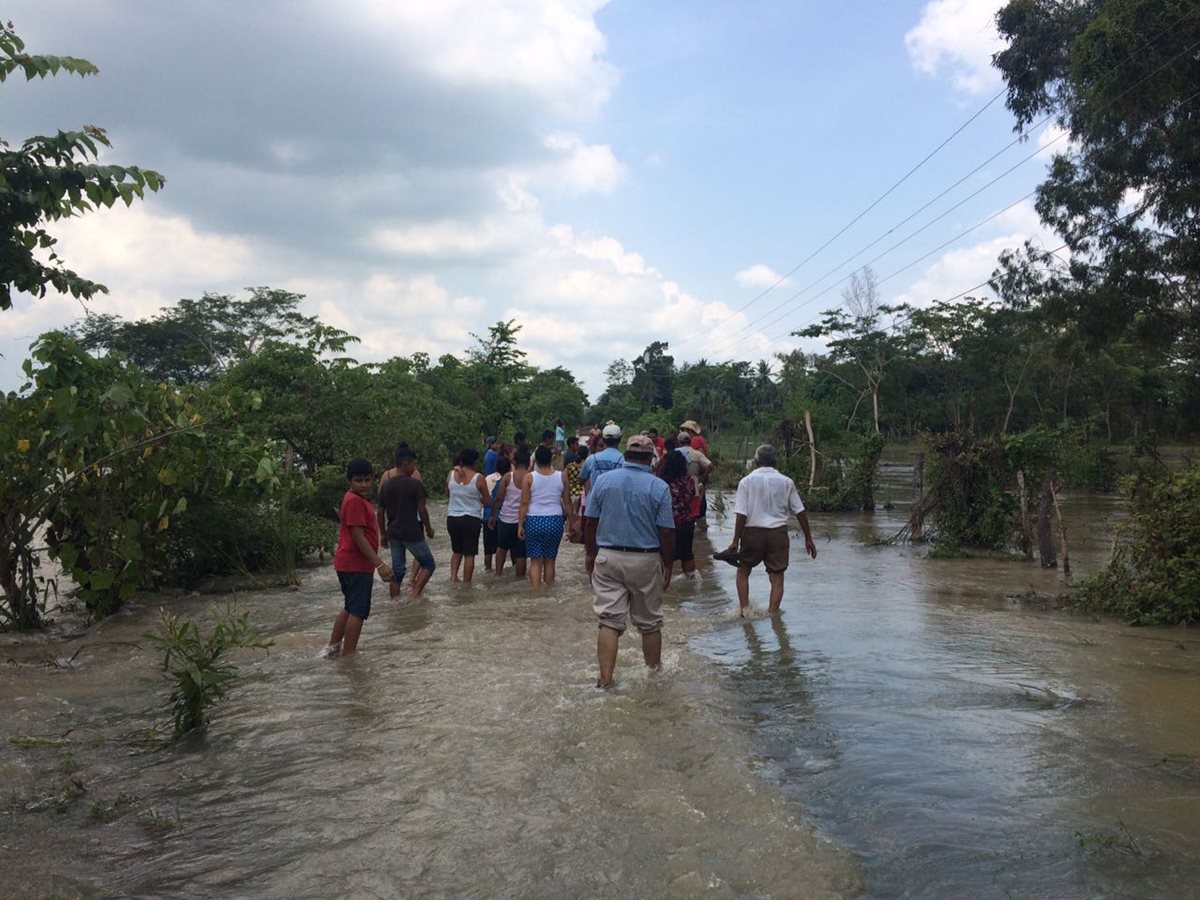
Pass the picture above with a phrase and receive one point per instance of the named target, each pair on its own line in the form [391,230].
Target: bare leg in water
[346,631]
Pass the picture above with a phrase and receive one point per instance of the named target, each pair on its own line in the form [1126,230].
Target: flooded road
[905,728]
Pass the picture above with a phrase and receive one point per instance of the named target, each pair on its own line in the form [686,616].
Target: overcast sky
[606,173]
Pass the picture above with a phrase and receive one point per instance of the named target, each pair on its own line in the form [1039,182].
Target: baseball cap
[684,437]
[612,429]
[491,439]
[639,443]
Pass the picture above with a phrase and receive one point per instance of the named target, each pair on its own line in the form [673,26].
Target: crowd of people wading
[634,503]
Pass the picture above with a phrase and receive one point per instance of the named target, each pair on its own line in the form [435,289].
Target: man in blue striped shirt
[602,459]
[630,545]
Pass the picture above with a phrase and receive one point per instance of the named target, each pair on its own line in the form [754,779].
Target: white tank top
[510,509]
[545,497]
[464,498]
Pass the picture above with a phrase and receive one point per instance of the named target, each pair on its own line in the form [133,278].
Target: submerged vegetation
[1154,575]
[197,665]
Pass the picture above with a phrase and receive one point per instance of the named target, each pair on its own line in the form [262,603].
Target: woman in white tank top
[506,509]
[545,509]
[464,513]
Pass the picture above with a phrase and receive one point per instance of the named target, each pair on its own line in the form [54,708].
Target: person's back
[545,495]
[598,463]
[632,498]
[464,498]
[767,498]
[401,498]
[510,508]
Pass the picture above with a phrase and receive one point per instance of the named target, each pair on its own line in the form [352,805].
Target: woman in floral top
[674,472]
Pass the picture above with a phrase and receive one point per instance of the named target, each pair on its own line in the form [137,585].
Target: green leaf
[101,581]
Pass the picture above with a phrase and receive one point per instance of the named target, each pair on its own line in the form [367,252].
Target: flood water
[908,727]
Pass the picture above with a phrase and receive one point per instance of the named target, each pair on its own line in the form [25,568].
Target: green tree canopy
[48,178]
[196,341]
[1123,78]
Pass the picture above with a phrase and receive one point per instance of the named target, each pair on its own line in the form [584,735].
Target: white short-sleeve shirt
[767,498]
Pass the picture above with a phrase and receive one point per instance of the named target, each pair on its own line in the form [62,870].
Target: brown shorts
[769,545]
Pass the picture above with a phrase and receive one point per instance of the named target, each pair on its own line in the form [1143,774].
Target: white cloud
[545,47]
[491,236]
[584,168]
[958,37]
[963,268]
[760,276]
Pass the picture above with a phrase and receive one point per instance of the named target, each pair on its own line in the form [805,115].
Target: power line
[754,325]
[942,246]
[783,278]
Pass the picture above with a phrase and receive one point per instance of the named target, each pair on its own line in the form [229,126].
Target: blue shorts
[543,535]
[356,588]
[420,551]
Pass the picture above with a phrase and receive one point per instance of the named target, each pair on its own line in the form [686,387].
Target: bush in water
[102,461]
[1154,577]
[966,478]
[224,536]
[195,666]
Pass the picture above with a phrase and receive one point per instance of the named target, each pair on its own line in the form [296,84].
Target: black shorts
[490,536]
[683,541]
[356,589]
[507,540]
[464,534]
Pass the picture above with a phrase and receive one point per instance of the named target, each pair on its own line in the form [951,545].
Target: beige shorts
[628,585]
[769,545]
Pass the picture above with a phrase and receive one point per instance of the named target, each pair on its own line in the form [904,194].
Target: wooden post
[1062,531]
[1046,551]
[1026,537]
[918,522]
[812,450]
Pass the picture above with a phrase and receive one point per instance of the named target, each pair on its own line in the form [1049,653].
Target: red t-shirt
[699,443]
[356,510]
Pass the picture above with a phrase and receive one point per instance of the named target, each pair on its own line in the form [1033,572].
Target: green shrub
[196,666]
[328,487]
[968,505]
[225,536]
[1154,576]
[845,483]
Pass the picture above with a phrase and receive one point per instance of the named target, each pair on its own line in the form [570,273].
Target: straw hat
[690,425]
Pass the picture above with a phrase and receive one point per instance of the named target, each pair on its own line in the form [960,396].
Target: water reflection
[945,730]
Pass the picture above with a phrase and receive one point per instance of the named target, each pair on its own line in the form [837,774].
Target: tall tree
[654,376]
[49,178]
[1123,78]
[862,337]
[196,341]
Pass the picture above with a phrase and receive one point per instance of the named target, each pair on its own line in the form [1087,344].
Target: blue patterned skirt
[543,534]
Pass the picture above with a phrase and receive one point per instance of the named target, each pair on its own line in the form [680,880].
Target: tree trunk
[1067,398]
[875,403]
[1062,532]
[1026,536]
[917,532]
[1046,551]
[812,450]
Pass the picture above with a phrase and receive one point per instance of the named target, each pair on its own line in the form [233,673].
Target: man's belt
[632,549]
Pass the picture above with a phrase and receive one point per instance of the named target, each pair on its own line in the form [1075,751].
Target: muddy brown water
[909,727]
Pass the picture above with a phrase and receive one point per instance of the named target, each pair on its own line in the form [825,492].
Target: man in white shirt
[766,499]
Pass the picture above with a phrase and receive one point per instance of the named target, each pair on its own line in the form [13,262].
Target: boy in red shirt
[356,558]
